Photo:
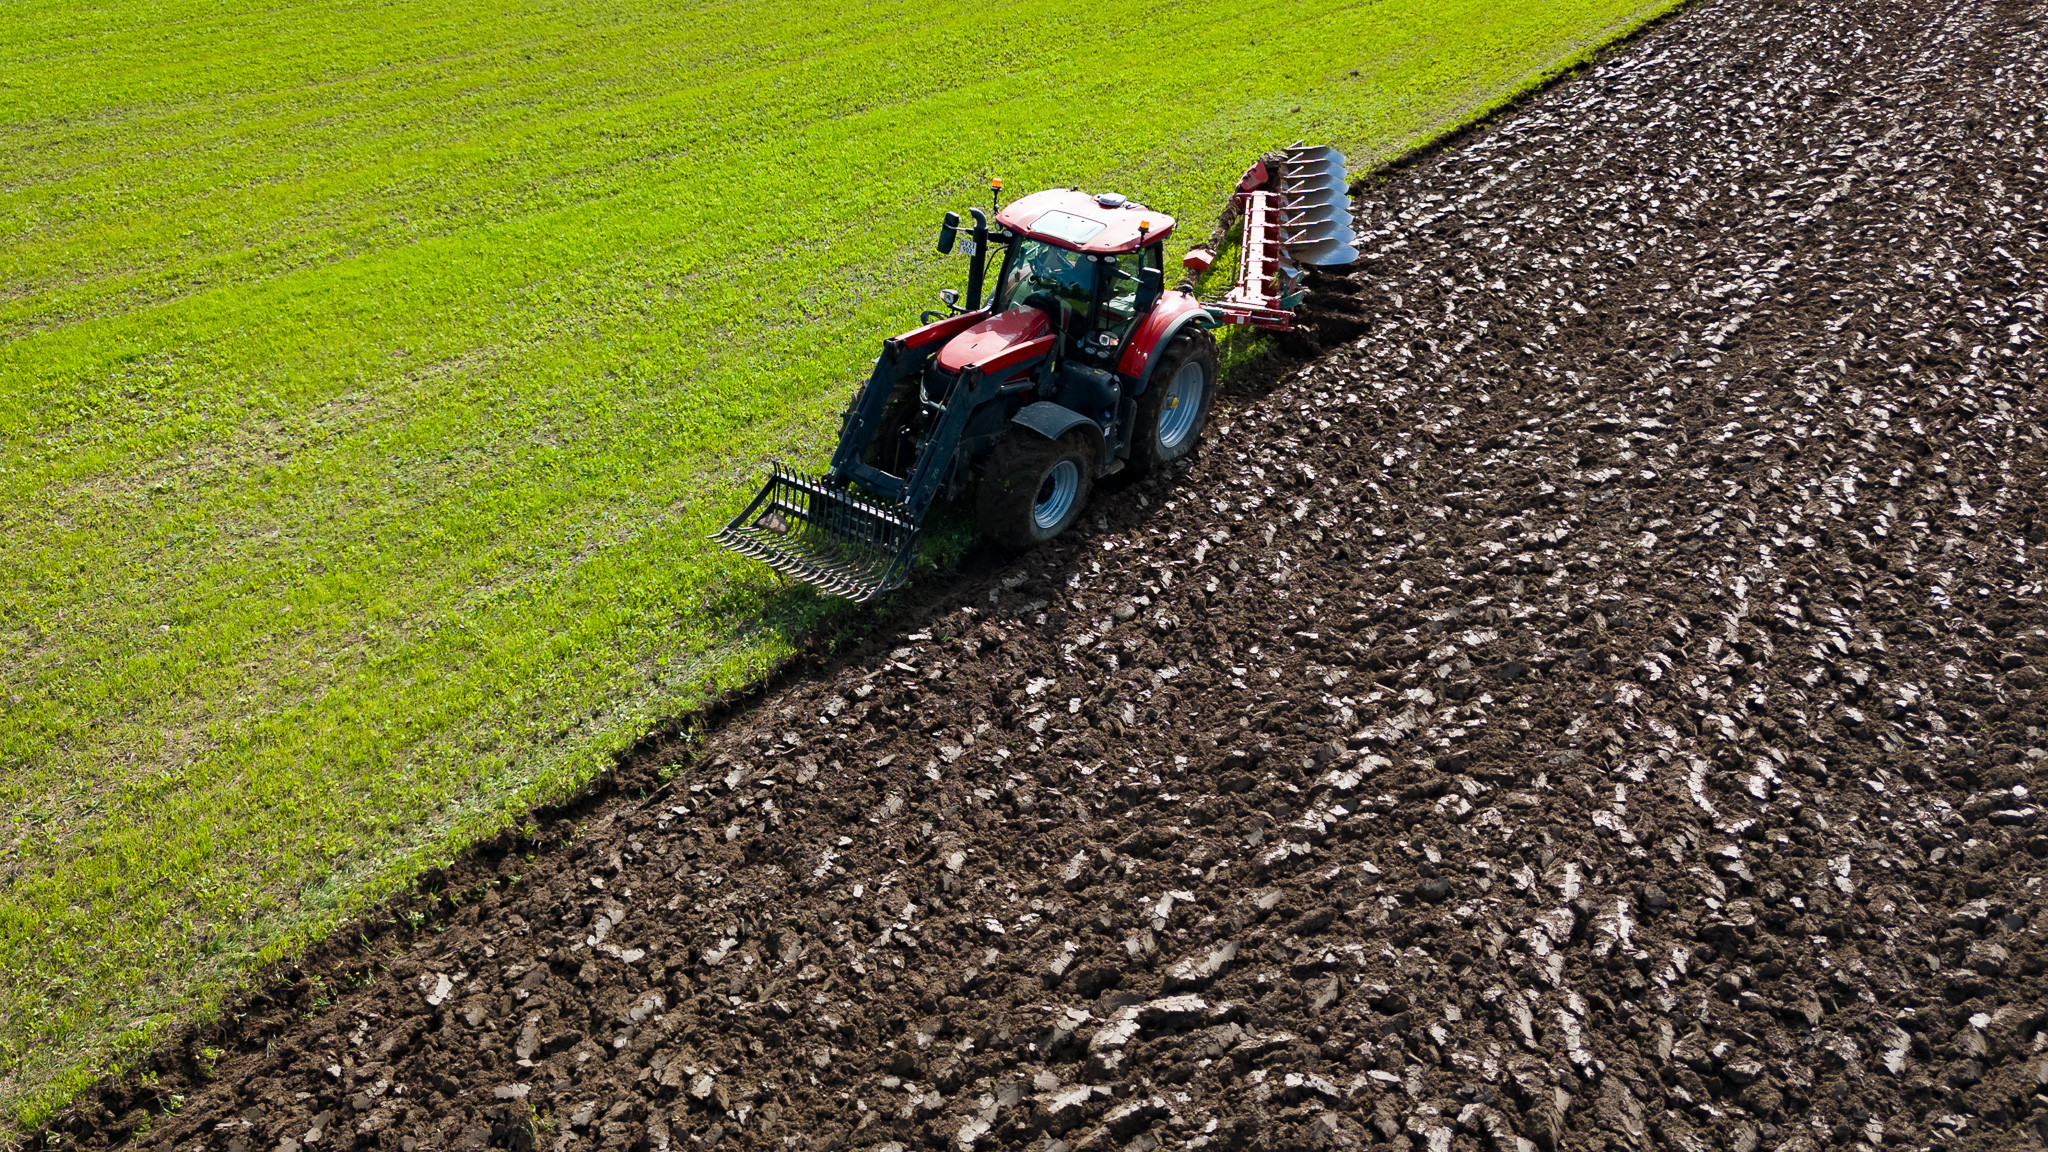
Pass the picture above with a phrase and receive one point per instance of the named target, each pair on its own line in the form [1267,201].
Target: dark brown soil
[1597,704]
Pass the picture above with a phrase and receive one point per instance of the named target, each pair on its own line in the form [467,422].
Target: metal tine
[836,540]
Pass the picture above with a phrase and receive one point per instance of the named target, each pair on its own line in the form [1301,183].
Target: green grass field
[371,375]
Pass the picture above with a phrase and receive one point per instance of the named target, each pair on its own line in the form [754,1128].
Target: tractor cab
[1083,261]
[1073,275]
[1094,298]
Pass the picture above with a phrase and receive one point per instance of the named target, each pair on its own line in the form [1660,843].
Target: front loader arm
[902,357]
[853,531]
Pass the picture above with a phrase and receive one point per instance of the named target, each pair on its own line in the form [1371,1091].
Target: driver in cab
[1048,276]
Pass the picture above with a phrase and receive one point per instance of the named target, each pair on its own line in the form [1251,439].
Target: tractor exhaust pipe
[977,261]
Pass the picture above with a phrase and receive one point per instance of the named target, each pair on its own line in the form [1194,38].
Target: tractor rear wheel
[1175,407]
[1033,488]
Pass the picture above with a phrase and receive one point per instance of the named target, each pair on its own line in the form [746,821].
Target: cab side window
[1121,303]
[1120,298]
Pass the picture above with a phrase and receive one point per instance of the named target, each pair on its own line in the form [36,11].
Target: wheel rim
[1056,494]
[1182,405]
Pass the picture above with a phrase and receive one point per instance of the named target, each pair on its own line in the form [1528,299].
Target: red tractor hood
[992,337]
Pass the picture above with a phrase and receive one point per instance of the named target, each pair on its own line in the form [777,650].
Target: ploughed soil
[1597,701]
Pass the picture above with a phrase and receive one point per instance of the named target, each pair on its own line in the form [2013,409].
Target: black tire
[1164,434]
[1019,484]
[893,447]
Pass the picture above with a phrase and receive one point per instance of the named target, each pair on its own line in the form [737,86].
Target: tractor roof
[1074,219]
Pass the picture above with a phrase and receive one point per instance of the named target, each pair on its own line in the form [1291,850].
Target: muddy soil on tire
[1597,703]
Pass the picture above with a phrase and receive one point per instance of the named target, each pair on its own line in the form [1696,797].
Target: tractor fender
[1175,311]
[1053,421]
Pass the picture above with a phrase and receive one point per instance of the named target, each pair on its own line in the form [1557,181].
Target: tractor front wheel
[1033,488]
[1175,407]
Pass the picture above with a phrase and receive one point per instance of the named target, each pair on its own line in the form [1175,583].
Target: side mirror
[947,231]
[1151,285]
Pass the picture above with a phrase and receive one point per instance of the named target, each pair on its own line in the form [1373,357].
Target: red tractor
[1077,363]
